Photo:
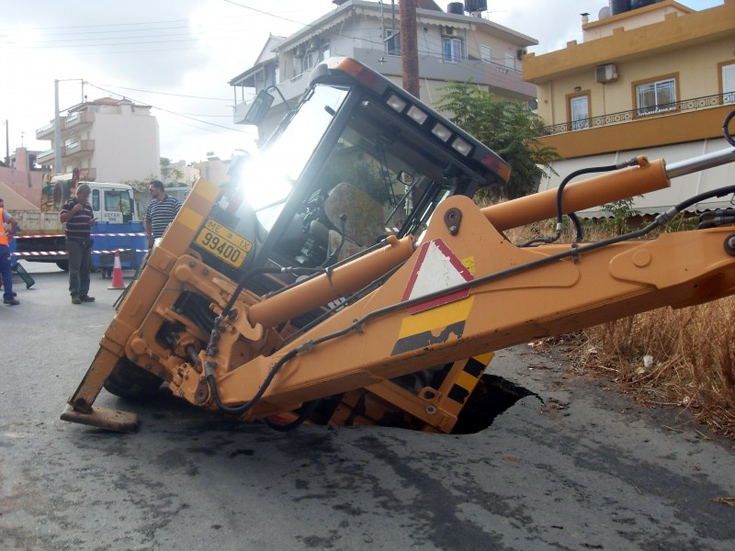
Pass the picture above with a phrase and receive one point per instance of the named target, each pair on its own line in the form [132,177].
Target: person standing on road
[78,216]
[7,231]
[161,212]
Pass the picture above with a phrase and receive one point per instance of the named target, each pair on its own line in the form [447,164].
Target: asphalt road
[585,469]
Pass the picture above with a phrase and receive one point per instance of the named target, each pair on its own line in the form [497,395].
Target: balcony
[46,157]
[504,81]
[77,149]
[686,121]
[79,119]
[705,102]
[47,132]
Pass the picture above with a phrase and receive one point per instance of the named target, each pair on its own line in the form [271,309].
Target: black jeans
[80,264]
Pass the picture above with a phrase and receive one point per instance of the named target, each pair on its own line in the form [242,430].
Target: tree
[140,185]
[170,174]
[507,127]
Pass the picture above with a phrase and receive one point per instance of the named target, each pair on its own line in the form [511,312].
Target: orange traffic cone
[117,275]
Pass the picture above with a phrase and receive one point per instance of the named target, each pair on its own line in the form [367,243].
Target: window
[393,44]
[486,54]
[452,50]
[510,60]
[656,96]
[728,83]
[95,200]
[579,109]
[309,60]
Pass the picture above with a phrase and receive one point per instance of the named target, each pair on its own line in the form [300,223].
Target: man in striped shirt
[78,216]
[161,212]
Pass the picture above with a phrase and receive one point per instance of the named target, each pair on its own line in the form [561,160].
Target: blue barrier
[127,238]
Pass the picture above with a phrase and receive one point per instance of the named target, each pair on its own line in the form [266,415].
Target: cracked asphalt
[586,469]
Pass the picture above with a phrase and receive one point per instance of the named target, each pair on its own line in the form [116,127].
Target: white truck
[41,237]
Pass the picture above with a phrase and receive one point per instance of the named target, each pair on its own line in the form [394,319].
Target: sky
[179,57]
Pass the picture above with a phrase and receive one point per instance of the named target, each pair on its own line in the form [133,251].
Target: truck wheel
[61,194]
[129,381]
[63,264]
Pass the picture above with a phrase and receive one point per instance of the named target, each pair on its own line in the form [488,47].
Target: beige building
[457,45]
[109,140]
[657,80]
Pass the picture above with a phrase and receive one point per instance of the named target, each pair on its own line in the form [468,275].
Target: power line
[168,110]
[165,93]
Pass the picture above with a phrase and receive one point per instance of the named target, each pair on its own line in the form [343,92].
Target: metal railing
[693,104]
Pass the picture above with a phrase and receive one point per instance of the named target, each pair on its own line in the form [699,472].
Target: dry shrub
[691,364]
[692,350]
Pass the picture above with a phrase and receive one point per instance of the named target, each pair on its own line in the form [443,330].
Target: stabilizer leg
[81,409]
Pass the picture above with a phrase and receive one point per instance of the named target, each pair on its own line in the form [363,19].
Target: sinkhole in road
[492,396]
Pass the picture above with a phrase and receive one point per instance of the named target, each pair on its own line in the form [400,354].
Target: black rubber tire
[129,381]
[63,264]
[61,194]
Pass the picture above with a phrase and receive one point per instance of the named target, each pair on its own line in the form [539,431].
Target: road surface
[585,469]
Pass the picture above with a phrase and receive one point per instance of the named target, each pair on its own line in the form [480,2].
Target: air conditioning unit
[606,73]
[521,52]
[448,31]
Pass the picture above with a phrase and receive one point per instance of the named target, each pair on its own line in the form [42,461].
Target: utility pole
[57,130]
[409,47]
[57,122]
[7,144]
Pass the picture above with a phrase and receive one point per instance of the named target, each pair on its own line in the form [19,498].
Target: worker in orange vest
[6,235]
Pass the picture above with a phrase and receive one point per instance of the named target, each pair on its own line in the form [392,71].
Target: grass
[667,357]
[682,358]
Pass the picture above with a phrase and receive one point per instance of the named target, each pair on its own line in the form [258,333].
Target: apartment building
[109,140]
[651,77]
[456,45]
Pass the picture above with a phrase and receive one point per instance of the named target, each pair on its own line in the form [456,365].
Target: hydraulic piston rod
[628,182]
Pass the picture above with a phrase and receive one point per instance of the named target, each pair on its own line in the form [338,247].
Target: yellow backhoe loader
[344,276]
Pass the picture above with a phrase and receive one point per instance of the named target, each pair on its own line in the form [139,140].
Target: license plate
[223,243]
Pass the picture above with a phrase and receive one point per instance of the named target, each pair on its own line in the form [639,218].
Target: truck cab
[112,203]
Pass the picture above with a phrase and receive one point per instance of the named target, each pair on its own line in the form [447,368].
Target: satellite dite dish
[604,13]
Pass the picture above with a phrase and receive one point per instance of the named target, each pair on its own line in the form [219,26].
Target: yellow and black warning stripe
[434,326]
[468,378]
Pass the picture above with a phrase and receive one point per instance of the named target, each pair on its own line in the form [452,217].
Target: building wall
[126,146]
[694,79]
[23,181]
[641,17]
[119,143]
[664,40]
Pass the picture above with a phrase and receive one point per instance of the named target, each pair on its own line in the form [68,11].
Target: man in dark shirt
[78,216]
[161,212]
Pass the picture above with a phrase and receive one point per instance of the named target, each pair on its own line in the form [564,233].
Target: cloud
[158,52]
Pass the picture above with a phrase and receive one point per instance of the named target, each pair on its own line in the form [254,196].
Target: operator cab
[357,160]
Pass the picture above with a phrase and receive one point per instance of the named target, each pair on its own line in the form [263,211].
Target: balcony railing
[48,129]
[694,104]
[78,147]
[79,118]
[47,155]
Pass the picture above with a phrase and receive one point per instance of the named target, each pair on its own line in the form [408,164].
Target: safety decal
[442,317]
[436,268]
